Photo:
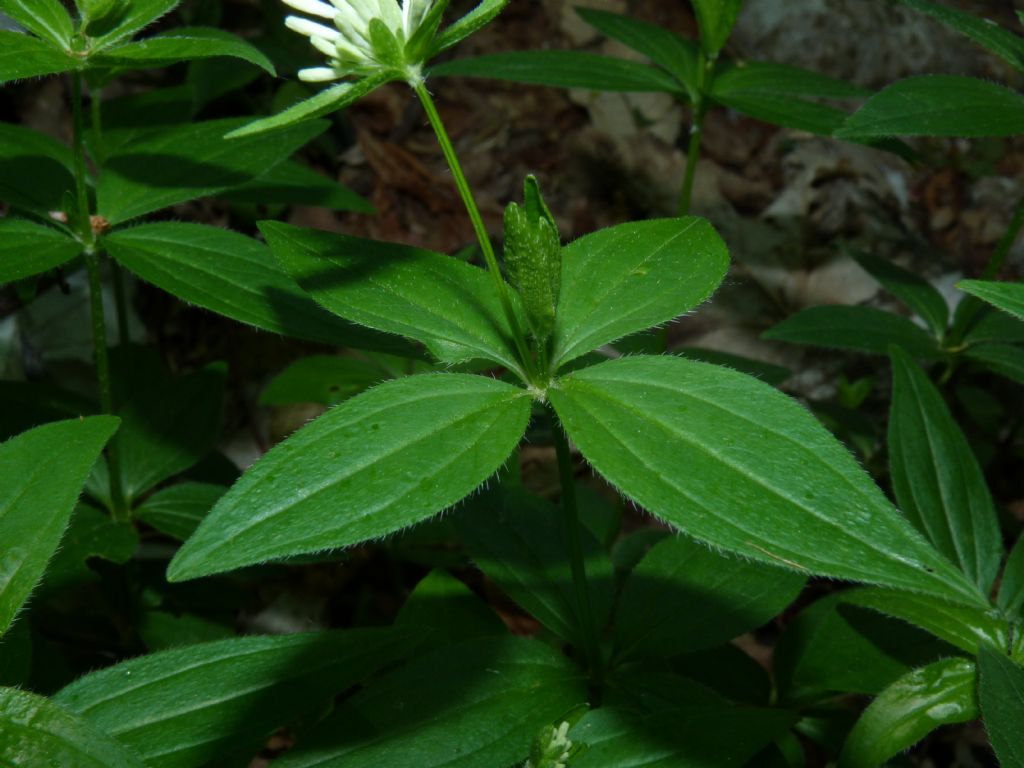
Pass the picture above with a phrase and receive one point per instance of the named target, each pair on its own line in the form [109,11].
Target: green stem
[99,340]
[692,157]
[99,323]
[120,302]
[570,516]
[478,223]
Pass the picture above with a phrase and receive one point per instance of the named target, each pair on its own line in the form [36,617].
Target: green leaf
[182,44]
[449,305]
[379,462]
[766,372]
[1001,691]
[691,737]
[910,709]
[716,19]
[678,56]
[192,705]
[184,162]
[327,101]
[292,183]
[1011,590]
[920,296]
[177,511]
[1005,359]
[729,672]
[36,732]
[938,105]
[519,541]
[564,69]
[46,18]
[762,477]
[31,248]
[23,56]
[473,704]
[168,428]
[861,329]
[835,647]
[90,534]
[237,277]
[965,627]
[447,608]
[35,170]
[323,379]
[936,478]
[633,276]
[485,12]
[44,470]
[136,16]
[1008,297]
[983,31]
[782,95]
[686,597]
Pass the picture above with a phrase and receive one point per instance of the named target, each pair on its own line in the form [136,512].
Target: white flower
[348,43]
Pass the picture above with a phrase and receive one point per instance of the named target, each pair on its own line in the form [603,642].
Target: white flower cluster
[348,44]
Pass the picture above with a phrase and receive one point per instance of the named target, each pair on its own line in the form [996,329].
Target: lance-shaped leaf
[1008,297]
[30,248]
[477,703]
[178,510]
[913,290]
[292,183]
[449,611]
[182,44]
[35,731]
[716,19]
[963,626]
[381,461]
[784,95]
[835,647]
[130,18]
[1001,692]
[1011,590]
[237,277]
[938,105]
[985,32]
[690,737]
[475,20]
[731,461]
[46,18]
[35,170]
[1005,359]
[628,278]
[44,470]
[564,69]
[169,427]
[684,596]
[449,305]
[862,329]
[180,163]
[938,483]
[326,102]
[193,705]
[678,56]
[23,56]
[519,541]
[910,709]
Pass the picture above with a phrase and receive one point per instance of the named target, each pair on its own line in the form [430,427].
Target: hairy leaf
[23,56]
[183,44]
[30,248]
[46,18]
[862,329]
[1008,297]
[379,462]
[1001,691]
[914,291]
[731,461]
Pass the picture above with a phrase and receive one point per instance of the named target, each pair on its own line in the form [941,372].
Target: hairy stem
[570,516]
[692,157]
[99,323]
[478,223]
[120,302]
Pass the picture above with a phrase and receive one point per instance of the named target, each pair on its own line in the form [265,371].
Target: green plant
[630,662]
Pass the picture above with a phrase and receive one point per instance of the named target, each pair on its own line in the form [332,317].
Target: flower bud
[533,257]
